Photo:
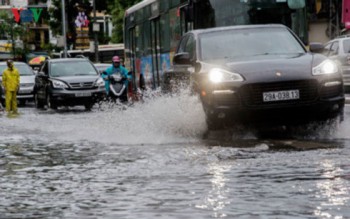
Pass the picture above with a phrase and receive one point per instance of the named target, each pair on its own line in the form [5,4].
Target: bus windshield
[219,13]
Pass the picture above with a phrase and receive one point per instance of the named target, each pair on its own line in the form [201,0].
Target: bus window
[149,36]
[346,14]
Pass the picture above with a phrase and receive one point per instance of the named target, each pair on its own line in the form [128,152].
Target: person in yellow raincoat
[10,81]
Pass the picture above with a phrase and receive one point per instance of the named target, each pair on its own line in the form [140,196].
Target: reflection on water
[333,192]
[151,161]
[217,198]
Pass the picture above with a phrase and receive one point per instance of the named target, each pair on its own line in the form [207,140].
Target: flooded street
[152,160]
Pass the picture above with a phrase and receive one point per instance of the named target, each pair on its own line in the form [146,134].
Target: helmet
[116,59]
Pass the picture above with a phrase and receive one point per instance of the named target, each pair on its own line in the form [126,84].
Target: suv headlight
[100,82]
[326,67]
[58,84]
[218,75]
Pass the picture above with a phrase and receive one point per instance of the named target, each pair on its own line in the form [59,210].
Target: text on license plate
[83,94]
[281,95]
[23,91]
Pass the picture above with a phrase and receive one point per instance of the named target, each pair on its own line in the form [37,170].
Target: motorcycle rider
[117,68]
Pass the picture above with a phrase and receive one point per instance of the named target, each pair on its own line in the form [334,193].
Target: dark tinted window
[237,43]
[182,46]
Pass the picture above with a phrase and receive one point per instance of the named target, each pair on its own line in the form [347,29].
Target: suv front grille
[84,85]
[252,94]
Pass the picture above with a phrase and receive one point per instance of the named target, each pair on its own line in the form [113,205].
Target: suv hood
[78,79]
[264,67]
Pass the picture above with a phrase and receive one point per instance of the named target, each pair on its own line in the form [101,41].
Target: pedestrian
[10,82]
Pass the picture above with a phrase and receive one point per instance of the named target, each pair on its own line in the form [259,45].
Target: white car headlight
[218,75]
[100,82]
[326,67]
[58,84]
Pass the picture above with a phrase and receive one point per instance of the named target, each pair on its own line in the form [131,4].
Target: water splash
[159,119]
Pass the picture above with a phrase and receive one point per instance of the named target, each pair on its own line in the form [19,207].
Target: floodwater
[156,160]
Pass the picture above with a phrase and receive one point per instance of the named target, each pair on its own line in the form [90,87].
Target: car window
[44,68]
[2,68]
[22,69]
[191,46]
[334,49]
[182,45]
[62,69]
[327,48]
[346,45]
[237,43]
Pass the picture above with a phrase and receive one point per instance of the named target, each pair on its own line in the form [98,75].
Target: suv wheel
[22,102]
[88,106]
[50,103]
[213,122]
[38,103]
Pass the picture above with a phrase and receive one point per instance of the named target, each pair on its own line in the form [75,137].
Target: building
[39,35]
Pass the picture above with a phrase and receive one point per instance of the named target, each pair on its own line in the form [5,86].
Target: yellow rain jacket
[10,79]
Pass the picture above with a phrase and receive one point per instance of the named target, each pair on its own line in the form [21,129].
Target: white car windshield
[22,69]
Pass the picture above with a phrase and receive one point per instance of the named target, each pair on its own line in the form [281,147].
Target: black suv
[68,82]
[258,74]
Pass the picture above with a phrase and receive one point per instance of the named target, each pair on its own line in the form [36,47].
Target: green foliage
[10,30]
[55,14]
[117,11]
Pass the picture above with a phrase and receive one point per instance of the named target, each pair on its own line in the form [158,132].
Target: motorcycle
[117,87]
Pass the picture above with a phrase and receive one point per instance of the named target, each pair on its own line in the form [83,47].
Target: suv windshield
[62,69]
[237,43]
[22,69]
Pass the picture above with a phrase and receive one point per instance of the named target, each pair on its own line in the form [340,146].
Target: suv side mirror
[41,74]
[316,47]
[182,58]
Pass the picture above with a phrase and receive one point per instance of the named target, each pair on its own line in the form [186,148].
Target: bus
[105,53]
[152,28]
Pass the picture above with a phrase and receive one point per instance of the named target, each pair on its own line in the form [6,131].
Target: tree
[12,32]
[117,11]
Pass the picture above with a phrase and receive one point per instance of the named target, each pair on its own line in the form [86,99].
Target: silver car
[338,50]
[27,79]
[101,67]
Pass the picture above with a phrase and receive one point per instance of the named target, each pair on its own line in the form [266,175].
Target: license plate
[23,91]
[83,94]
[281,95]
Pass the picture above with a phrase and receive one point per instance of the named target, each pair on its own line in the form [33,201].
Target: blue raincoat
[112,70]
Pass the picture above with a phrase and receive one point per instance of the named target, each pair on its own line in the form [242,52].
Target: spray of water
[158,119]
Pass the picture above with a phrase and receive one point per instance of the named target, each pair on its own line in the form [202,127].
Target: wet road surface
[152,161]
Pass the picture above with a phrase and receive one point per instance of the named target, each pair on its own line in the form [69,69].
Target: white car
[27,80]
